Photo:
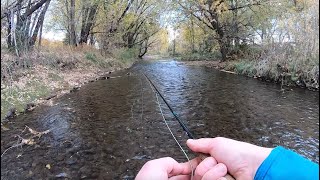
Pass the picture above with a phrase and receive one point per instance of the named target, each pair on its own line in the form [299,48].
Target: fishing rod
[184,127]
[190,135]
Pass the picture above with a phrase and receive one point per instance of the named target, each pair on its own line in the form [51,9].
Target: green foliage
[245,67]
[16,97]
[91,56]
[214,56]
[161,47]
[126,55]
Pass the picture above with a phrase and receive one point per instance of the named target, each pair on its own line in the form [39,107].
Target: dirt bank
[37,77]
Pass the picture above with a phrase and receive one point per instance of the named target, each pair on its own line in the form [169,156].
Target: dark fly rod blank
[190,135]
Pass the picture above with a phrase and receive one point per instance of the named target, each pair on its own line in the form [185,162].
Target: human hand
[210,169]
[241,159]
[166,168]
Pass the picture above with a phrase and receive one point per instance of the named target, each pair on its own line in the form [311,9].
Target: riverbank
[37,77]
[272,72]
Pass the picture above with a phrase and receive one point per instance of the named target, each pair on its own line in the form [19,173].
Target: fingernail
[190,140]
[221,167]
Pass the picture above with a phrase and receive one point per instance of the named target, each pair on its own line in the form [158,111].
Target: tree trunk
[73,40]
[88,19]
[130,39]
[192,35]
[235,26]
[9,31]
[143,50]
[224,51]
[174,43]
[91,42]
[223,43]
[21,28]
[39,24]
[40,35]
[27,28]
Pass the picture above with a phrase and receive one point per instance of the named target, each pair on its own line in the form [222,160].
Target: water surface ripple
[110,128]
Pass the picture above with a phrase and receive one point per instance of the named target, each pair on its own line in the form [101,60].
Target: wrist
[263,153]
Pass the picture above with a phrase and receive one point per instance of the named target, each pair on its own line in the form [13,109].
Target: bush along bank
[278,73]
[303,73]
[36,77]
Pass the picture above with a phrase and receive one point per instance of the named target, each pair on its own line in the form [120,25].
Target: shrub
[91,56]
[245,67]
[201,56]
[126,55]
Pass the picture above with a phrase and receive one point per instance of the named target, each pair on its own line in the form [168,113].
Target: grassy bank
[285,71]
[36,76]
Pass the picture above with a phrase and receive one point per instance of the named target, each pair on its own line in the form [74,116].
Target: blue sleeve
[286,164]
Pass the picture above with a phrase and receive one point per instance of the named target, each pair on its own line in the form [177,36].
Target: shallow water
[110,128]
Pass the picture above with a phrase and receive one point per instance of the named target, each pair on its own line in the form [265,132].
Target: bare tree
[38,27]
[21,35]
[73,40]
[210,13]
[89,12]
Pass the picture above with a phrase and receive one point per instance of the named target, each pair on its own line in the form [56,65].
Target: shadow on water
[110,128]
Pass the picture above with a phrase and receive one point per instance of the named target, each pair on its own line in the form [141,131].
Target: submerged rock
[62,175]
[11,113]
[102,78]
[74,89]
[29,107]
[50,96]
[141,157]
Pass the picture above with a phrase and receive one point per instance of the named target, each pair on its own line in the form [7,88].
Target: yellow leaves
[4,128]
[129,18]
[36,133]
[29,141]
[219,6]
[302,4]
[162,35]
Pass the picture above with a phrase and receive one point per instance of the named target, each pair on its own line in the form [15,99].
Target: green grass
[91,57]
[127,55]
[245,67]
[200,56]
[18,98]
[54,77]
[36,88]
[98,61]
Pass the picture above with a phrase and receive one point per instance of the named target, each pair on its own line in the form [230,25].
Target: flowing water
[110,128]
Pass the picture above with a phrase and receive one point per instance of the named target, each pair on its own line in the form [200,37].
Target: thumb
[203,145]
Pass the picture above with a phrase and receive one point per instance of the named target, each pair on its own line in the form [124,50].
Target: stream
[109,128]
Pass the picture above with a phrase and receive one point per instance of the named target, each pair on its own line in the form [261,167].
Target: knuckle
[219,140]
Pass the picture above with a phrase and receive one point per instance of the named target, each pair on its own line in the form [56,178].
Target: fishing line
[184,127]
[141,98]
[165,121]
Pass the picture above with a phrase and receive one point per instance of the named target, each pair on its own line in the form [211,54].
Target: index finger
[183,168]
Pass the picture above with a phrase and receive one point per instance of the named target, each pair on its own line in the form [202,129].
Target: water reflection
[57,120]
